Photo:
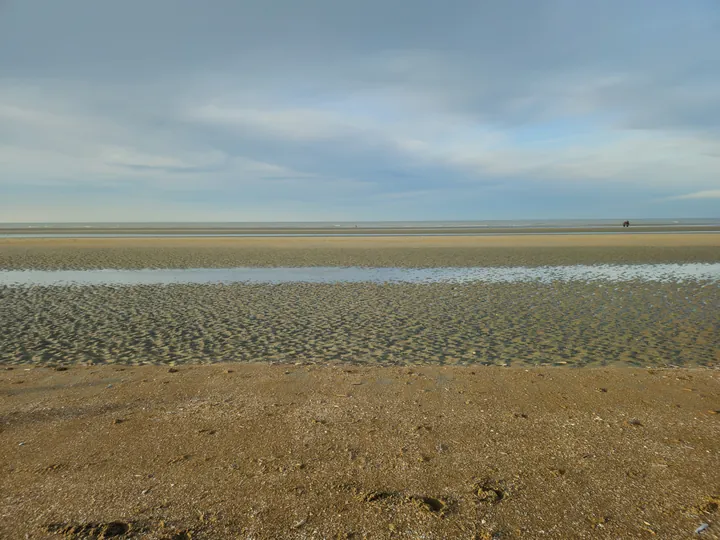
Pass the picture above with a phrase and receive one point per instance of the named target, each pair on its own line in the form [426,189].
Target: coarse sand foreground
[400,251]
[326,451]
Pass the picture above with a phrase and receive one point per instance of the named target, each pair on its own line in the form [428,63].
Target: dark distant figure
[626,223]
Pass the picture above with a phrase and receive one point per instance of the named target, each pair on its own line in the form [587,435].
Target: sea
[354,228]
[523,223]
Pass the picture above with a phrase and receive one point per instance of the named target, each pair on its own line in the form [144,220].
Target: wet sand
[401,251]
[518,324]
[261,451]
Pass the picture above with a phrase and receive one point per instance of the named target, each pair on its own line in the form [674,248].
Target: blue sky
[178,110]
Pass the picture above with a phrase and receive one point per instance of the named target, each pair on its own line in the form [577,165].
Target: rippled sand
[632,324]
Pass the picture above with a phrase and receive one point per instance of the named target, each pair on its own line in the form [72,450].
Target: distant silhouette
[626,223]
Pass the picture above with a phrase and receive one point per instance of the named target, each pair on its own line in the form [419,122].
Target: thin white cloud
[293,123]
[49,140]
[120,156]
[635,158]
[707,194]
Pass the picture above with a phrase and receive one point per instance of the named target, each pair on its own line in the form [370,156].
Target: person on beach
[626,223]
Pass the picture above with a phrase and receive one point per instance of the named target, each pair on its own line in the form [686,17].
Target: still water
[665,273]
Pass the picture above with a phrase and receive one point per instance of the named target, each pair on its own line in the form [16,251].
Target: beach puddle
[662,273]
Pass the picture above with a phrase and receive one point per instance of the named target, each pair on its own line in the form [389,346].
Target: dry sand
[401,251]
[260,451]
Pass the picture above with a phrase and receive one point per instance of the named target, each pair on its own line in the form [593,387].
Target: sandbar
[398,251]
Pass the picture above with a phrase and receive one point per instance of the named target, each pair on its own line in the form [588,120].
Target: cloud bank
[324,110]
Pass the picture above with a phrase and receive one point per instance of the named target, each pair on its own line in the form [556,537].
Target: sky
[316,110]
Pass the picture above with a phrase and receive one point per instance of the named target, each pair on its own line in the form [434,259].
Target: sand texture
[258,451]
[360,410]
[628,324]
[417,252]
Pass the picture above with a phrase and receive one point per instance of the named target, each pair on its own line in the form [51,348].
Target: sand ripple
[631,323]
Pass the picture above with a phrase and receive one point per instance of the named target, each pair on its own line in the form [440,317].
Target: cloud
[295,124]
[373,108]
[707,194]
[638,158]
[91,208]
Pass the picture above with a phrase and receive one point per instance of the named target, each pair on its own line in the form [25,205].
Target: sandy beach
[360,410]
[398,251]
[260,451]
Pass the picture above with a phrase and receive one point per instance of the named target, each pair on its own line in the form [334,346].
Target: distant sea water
[521,223]
[336,228]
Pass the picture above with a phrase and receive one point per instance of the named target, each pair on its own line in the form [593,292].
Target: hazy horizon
[374,223]
[237,111]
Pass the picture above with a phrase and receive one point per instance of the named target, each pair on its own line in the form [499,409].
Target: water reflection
[515,274]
